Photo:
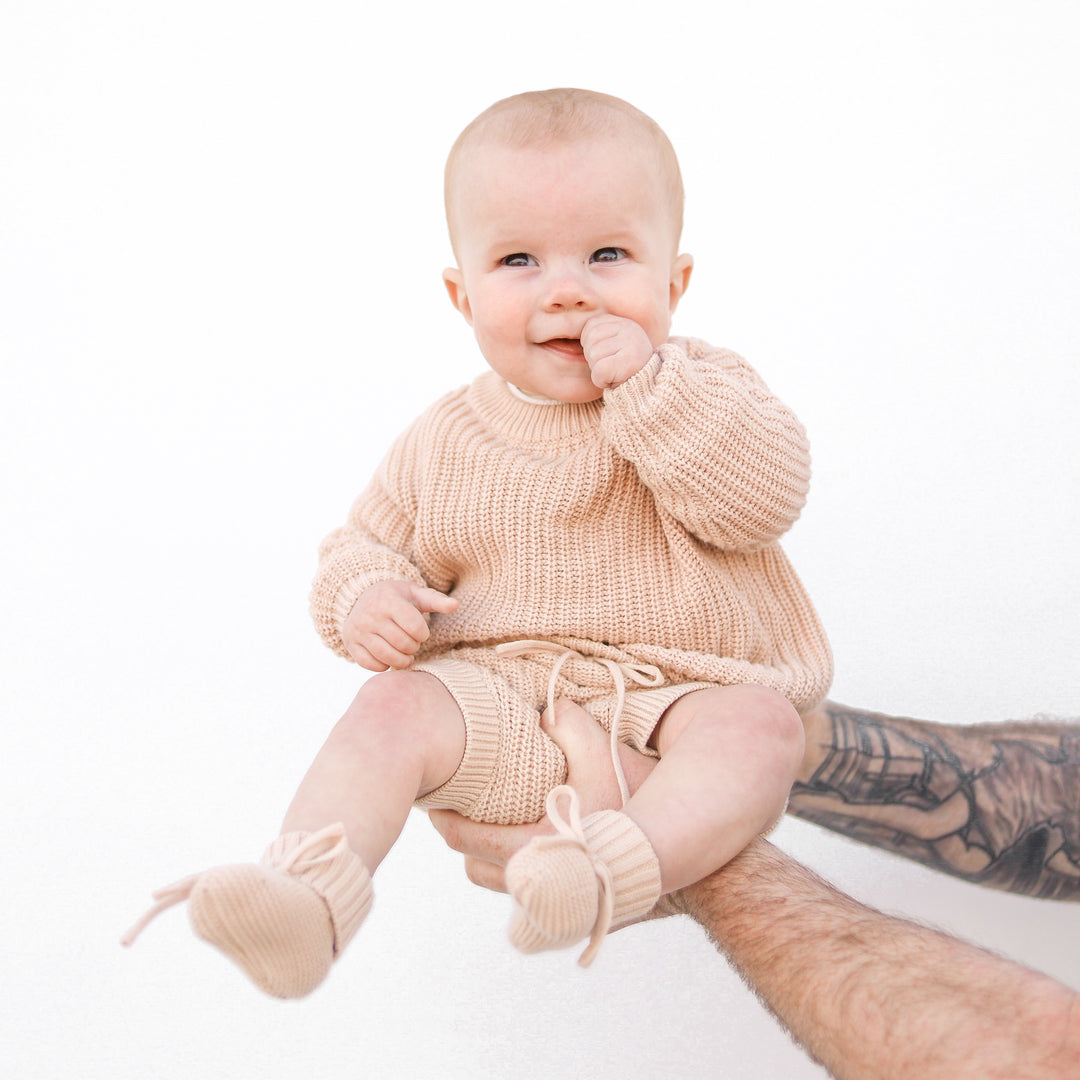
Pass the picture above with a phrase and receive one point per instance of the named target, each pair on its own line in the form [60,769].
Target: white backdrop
[220,247]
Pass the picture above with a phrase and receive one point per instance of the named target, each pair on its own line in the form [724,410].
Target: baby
[592,523]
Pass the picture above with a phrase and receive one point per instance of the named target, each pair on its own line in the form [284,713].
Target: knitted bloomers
[593,875]
[283,920]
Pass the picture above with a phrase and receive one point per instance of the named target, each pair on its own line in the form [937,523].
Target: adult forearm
[995,804]
[878,998]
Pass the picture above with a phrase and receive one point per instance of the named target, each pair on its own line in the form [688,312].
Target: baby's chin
[578,395]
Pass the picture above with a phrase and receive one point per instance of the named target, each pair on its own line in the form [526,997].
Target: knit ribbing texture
[596,874]
[284,920]
[644,525]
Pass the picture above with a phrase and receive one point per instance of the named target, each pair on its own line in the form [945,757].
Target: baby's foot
[595,874]
[283,920]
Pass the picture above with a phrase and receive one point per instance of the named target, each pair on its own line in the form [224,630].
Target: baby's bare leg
[729,756]
[286,918]
[402,737]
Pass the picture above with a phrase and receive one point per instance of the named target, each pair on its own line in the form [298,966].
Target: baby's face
[549,237]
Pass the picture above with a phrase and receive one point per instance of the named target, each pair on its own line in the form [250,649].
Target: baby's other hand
[389,623]
[615,349]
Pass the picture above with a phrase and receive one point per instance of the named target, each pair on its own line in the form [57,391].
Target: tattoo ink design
[995,804]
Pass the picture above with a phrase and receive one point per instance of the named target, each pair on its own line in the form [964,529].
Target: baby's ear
[454,280]
[680,278]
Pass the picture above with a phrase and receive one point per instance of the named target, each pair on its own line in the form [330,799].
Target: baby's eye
[519,258]
[609,254]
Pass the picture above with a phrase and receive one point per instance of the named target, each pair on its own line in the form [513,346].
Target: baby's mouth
[567,347]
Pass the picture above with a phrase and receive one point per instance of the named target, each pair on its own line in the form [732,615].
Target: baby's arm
[388,623]
[376,547]
[352,560]
[718,450]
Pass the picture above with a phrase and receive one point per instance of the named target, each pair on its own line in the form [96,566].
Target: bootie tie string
[571,828]
[316,850]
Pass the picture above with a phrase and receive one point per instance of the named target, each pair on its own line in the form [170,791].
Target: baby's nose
[566,290]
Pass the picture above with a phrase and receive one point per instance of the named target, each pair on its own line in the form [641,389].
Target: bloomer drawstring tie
[607,848]
[647,675]
[316,850]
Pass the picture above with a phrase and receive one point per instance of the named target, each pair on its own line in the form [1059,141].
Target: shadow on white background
[220,245]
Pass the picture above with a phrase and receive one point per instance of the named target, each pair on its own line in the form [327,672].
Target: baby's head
[562,205]
[549,118]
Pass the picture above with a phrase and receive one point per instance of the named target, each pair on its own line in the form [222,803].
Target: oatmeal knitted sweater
[642,527]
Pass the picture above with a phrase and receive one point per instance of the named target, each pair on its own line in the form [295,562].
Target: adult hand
[389,623]
[488,848]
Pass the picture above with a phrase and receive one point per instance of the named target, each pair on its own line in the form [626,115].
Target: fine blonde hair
[548,117]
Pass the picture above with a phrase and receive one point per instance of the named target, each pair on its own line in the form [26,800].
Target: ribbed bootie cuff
[592,875]
[617,842]
[283,920]
[324,862]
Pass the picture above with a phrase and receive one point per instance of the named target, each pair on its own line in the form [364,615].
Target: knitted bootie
[595,874]
[283,920]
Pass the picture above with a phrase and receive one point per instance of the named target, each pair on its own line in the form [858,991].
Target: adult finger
[587,746]
[494,844]
[486,875]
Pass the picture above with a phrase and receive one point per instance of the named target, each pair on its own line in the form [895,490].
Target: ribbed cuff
[338,875]
[617,841]
[474,775]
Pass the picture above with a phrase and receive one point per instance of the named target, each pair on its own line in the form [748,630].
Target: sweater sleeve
[375,544]
[717,449]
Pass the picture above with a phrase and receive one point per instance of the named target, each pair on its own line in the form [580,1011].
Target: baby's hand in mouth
[615,349]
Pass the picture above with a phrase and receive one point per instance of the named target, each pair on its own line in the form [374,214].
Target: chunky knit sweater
[642,527]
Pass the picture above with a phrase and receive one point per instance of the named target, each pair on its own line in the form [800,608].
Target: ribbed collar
[533,425]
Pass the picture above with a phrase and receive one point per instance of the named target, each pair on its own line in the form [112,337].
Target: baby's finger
[432,600]
[408,629]
[385,654]
[604,375]
[600,327]
[364,658]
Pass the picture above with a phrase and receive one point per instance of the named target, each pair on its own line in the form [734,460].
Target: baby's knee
[400,701]
[764,715]
[771,713]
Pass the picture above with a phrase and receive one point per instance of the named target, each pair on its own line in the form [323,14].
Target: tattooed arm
[870,996]
[995,804]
